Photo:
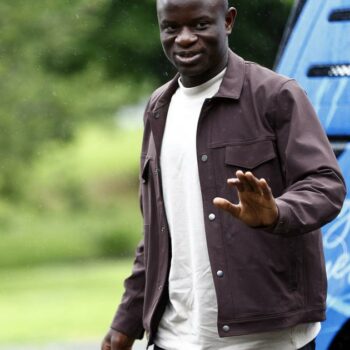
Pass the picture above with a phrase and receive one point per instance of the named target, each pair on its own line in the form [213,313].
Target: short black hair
[224,2]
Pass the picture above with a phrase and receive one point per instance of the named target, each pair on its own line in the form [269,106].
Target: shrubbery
[79,201]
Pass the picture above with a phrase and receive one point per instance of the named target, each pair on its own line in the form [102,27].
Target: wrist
[122,339]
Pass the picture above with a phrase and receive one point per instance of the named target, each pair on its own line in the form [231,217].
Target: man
[211,274]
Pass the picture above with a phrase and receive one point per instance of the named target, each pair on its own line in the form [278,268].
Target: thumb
[226,205]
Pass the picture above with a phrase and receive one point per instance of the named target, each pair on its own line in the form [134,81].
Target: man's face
[194,36]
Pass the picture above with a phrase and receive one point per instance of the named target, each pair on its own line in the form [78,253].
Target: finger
[105,346]
[114,345]
[267,193]
[244,180]
[254,182]
[226,205]
[234,182]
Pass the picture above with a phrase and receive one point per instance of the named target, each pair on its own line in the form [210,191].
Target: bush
[81,202]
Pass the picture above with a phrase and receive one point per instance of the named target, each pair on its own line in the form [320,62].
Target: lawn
[60,302]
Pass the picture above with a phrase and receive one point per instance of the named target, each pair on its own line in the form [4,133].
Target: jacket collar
[231,86]
[232,83]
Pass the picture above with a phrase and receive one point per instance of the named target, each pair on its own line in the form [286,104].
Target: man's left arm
[315,189]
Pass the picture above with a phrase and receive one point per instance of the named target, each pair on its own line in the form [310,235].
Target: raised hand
[256,207]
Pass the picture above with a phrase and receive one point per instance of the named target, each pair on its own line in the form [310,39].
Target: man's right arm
[127,323]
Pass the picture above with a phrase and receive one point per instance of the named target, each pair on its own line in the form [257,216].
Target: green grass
[60,303]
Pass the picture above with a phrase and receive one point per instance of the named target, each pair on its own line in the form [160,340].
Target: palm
[256,205]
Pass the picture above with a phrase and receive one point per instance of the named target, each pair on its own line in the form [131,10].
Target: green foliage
[36,238]
[101,163]
[30,114]
[119,36]
[79,202]
[48,87]
[259,28]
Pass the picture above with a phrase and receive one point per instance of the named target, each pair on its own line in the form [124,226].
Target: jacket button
[220,273]
[204,158]
[211,217]
[226,328]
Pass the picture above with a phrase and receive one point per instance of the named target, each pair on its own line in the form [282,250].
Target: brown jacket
[272,277]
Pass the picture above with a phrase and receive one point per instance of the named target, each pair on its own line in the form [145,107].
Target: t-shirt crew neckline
[202,88]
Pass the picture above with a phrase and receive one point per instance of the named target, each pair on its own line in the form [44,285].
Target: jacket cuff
[127,323]
[282,224]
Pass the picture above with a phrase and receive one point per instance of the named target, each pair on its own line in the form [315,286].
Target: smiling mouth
[187,57]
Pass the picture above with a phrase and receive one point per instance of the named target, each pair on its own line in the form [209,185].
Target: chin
[192,72]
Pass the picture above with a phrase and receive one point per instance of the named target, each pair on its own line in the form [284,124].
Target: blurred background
[75,77]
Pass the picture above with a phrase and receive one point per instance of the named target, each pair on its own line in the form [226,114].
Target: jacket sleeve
[315,189]
[128,318]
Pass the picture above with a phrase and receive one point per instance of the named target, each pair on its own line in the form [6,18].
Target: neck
[198,80]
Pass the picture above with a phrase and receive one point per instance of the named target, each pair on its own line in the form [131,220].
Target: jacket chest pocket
[260,158]
[249,156]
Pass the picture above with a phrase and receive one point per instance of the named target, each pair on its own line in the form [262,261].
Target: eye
[202,25]
[169,28]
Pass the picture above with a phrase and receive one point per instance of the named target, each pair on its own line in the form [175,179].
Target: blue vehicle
[315,51]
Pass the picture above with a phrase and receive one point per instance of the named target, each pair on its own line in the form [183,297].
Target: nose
[185,37]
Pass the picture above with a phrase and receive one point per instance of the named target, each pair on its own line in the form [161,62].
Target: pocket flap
[249,155]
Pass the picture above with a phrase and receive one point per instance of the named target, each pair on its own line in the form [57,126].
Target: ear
[230,19]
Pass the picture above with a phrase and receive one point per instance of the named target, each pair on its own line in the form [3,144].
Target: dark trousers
[309,346]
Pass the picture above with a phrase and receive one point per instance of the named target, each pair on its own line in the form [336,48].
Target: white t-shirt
[190,319]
